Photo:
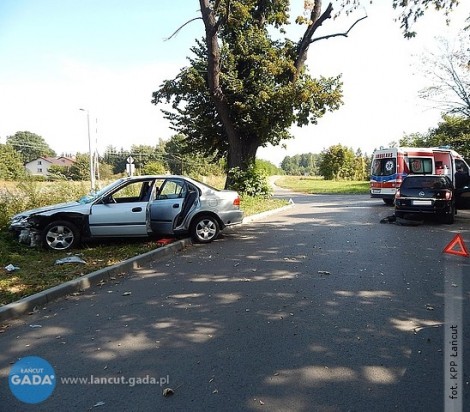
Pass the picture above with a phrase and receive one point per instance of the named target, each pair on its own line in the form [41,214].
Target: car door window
[141,191]
[172,189]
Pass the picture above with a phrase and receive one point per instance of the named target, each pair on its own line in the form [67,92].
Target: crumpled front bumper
[27,236]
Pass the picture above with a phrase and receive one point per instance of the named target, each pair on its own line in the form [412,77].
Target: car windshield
[91,197]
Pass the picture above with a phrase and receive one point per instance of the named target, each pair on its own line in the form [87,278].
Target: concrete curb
[29,303]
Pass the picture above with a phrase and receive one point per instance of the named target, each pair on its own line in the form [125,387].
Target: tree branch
[345,34]
[317,20]
[180,27]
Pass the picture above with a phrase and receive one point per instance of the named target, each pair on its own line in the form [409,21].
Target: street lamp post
[92,169]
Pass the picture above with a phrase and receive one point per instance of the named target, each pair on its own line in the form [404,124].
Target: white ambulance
[390,166]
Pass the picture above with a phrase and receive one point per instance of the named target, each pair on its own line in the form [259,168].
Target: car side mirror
[107,199]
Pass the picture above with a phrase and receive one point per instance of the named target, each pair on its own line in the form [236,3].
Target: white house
[41,165]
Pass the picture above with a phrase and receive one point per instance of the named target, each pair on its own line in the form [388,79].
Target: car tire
[388,202]
[60,235]
[204,229]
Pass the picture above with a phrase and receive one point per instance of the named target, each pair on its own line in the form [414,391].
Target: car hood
[52,208]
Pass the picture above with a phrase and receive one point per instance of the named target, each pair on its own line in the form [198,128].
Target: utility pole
[92,165]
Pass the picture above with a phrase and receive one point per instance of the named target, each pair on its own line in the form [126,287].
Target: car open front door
[123,212]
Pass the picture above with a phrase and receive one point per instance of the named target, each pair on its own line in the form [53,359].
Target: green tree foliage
[245,85]
[142,154]
[412,10]
[116,159]
[153,168]
[338,163]
[361,166]
[453,131]
[105,171]
[56,172]
[306,164]
[80,170]
[414,140]
[11,163]
[267,168]
[29,145]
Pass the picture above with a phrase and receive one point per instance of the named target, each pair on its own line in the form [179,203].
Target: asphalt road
[316,308]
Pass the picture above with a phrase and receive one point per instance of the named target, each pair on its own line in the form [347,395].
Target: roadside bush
[251,182]
[10,204]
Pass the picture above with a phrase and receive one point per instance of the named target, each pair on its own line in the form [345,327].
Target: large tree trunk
[241,151]
[241,154]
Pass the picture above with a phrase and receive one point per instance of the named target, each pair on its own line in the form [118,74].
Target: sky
[107,57]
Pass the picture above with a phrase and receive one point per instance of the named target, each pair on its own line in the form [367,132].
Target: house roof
[59,161]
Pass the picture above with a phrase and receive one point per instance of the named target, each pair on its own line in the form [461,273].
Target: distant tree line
[335,163]
[171,156]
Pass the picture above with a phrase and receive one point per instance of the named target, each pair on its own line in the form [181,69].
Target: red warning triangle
[457,247]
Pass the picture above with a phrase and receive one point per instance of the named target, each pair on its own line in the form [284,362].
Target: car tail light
[236,201]
[448,195]
[397,194]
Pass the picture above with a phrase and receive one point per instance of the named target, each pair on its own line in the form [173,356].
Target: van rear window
[419,165]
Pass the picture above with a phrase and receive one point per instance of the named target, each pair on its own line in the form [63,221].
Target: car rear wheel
[204,229]
[60,235]
[388,202]
[449,219]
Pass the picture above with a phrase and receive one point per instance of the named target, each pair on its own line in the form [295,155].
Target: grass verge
[316,185]
[38,270]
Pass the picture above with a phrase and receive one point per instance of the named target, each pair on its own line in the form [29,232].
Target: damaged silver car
[137,206]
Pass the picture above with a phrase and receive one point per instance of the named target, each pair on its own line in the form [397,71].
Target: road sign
[457,247]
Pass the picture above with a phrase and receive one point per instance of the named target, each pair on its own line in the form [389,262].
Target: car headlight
[19,221]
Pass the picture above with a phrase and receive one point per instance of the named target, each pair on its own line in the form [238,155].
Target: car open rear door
[167,205]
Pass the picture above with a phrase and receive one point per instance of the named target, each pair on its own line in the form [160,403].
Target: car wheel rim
[206,229]
[59,237]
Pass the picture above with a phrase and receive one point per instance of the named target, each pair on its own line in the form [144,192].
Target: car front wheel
[60,235]
[204,229]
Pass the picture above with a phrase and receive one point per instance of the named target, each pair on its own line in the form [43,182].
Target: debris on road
[323,272]
[168,392]
[69,259]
